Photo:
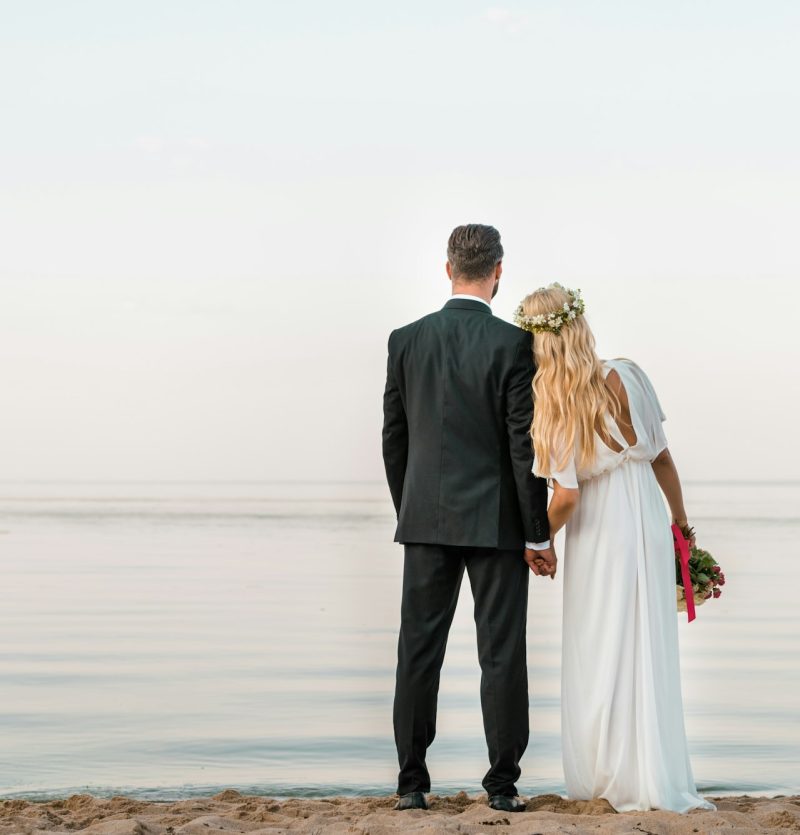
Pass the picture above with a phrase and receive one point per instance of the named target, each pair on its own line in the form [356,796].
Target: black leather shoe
[504,803]
[412,800]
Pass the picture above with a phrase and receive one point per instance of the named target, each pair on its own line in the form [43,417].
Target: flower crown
[552,322]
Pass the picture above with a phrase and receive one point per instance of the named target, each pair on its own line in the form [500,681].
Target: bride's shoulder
[617,361]
[627,366]
[634,378]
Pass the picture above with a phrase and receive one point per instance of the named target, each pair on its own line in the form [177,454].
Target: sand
[232,812]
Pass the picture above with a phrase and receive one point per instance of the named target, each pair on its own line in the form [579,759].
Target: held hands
[542,563]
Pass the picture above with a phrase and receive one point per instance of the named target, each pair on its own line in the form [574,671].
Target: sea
[167,640]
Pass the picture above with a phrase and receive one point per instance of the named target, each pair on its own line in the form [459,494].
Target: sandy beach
[230,812]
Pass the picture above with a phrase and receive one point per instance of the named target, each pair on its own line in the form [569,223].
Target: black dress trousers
[431,580]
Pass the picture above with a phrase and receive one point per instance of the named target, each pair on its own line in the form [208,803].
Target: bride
[598,438]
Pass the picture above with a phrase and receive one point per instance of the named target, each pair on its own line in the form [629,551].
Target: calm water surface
[165,640]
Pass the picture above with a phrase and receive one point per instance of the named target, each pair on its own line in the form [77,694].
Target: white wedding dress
[622,723]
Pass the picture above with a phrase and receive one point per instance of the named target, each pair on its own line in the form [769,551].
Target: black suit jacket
[457,412]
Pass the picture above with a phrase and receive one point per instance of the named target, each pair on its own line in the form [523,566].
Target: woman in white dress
[598,438]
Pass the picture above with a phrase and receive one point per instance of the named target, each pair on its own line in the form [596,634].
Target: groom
[456,446]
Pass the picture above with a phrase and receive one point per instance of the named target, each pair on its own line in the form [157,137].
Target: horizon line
[777,482]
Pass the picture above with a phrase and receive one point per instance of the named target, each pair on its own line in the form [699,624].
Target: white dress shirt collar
[473,298]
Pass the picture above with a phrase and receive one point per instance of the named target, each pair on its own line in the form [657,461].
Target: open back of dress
[646,417]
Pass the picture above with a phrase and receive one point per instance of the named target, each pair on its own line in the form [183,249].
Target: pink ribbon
[688,591]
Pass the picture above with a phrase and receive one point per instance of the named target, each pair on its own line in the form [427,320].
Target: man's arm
[395,434]
[531,490]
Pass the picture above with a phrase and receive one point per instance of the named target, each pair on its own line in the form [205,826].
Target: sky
[213,214]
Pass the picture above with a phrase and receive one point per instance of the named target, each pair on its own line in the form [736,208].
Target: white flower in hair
[553,321]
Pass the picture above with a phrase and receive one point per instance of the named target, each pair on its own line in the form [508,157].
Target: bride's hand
[687,530]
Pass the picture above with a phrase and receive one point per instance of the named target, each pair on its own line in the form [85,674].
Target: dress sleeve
[649,407]
[568,477]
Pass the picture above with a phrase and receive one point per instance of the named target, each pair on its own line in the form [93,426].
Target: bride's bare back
[623,420]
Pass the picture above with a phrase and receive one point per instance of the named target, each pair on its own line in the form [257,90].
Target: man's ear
[449,270]
[498,270]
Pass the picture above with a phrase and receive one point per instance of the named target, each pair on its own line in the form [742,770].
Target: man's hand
[542,563]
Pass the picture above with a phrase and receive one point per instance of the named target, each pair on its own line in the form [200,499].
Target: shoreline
[230,811]
[303,793]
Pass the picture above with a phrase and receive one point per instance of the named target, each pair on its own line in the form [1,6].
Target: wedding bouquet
[706,576]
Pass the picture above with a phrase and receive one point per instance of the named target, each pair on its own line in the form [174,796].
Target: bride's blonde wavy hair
[569,390]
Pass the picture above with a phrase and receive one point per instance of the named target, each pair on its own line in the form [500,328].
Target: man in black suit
[458,409]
